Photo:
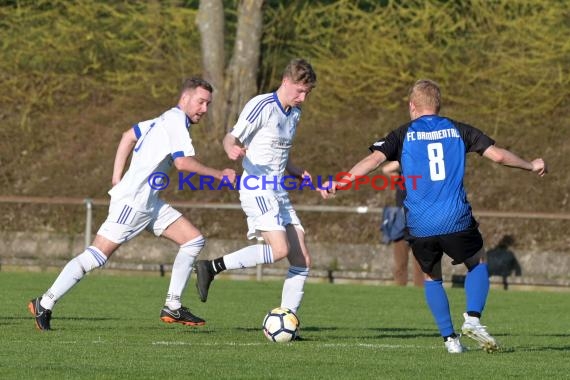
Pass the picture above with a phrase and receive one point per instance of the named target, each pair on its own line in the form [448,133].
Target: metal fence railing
[90,203]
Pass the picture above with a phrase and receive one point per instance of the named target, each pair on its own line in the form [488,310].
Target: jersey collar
[286,113]
[188,121]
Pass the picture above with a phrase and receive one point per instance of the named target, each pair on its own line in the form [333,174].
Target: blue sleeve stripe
[137,131]
[252,117]
[257,109]
[175,155]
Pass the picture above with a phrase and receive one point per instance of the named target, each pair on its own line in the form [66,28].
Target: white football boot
[454,346]
[473,329]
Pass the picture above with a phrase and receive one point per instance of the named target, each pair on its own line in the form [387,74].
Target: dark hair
[193,83]
[300,71]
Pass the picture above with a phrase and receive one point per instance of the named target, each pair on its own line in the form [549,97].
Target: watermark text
[192,181]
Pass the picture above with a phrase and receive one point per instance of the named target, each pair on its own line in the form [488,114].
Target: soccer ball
[280,325]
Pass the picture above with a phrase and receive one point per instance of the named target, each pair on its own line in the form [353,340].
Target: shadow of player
[502,261]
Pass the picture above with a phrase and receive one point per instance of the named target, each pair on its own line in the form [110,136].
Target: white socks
[292,294]
[72,273]
[249,257]
[181,270]
[261,254]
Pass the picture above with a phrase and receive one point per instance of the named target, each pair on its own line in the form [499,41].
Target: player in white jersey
[155,145]
[263,136]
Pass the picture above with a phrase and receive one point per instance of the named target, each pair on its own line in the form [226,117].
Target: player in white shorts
[263,136]
[155,145]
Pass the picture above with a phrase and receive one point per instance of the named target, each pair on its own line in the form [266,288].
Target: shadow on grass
[402,333]
[567,335]
[29,317]
[375,333]
[544,348]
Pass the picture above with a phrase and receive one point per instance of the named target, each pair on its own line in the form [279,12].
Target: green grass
[108,328]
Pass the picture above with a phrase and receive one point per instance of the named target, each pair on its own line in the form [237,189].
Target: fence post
[259,267]
[88,220]
[259,272]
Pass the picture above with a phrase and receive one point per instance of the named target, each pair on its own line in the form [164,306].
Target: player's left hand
[328,190]
[306,177]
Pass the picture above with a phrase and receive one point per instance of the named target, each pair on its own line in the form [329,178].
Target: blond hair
[426,95]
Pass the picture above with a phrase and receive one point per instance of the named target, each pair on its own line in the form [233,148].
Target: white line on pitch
[332,345]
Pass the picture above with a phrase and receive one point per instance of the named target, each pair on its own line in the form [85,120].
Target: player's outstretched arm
[192,165]
[508,158]
[391,168]
[362,168]
[367,164]
[297,171]
[232,147]
[126,145]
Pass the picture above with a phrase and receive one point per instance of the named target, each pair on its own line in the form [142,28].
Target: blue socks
[477,288]
[439,305]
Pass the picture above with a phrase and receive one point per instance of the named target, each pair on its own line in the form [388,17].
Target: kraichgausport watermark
[192,181]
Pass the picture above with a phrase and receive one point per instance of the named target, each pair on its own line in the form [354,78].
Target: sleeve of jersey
[475,140]
[179,138]
[387,145]
[142,128]
[246,126]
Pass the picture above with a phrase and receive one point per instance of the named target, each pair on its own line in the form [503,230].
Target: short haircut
[193,83]
[300,71]
[426,95]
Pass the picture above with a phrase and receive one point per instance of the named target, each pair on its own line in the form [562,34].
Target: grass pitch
[108,327]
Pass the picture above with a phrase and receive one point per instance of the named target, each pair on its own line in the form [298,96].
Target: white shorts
[125,222]
[268,212]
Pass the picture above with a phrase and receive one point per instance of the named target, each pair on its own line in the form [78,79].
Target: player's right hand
[230,174]
[539,167]
[236,152]
[328,189]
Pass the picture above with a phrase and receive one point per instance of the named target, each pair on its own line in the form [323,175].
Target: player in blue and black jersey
[432,150]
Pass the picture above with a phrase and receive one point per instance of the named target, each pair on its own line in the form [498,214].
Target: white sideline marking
[331,345]
[164,343]
[236,344]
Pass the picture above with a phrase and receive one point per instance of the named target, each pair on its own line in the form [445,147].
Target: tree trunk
[241,83]
[210,21]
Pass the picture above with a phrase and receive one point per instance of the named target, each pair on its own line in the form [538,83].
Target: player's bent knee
[91,258]
[194,246]
[475,260]
[307,261]
[279,253]
[299,259]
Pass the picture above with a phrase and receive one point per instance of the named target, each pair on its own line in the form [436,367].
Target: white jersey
[159,142]
[267,130]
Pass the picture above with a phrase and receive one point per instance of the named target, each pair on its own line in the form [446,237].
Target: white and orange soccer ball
[280,325]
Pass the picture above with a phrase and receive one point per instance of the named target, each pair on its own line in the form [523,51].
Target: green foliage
[509,55]
[80,52]
[503,58]
[108,328]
